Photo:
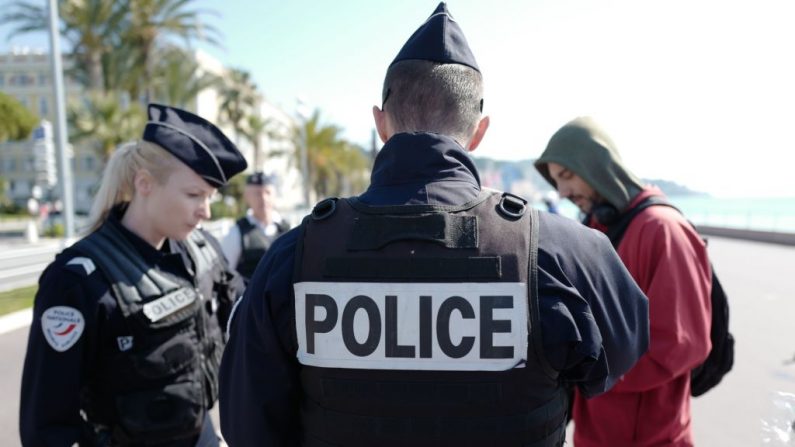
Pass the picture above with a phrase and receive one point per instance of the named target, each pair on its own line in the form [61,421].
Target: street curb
[16,320]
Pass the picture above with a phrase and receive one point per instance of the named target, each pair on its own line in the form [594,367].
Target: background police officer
[427,311]
[251,236]
[126,338]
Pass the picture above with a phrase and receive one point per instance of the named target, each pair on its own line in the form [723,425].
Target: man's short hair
[427,96]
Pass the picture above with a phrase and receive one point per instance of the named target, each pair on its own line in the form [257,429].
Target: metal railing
[21,267]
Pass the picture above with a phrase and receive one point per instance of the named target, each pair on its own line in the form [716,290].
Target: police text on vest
[412,326]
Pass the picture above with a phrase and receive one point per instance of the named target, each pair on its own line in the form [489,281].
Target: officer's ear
[482,127]
[381,124]
[143,182]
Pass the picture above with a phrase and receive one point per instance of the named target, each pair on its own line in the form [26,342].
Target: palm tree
[322,145]
[239,98]
[177,78]
[256,128]
[335,166]
[16,121]
[105,120]
[150,22]
[87,25]
[353,170]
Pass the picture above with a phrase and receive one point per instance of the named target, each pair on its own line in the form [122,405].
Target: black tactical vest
[490,242]
[254,245]
[165,374]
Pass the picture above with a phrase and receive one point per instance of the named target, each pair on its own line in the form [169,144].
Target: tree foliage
[114,43]
[105,119]
[89,26]
[177,79]
[336,167]
[239,99]
[16,121]
[126,53]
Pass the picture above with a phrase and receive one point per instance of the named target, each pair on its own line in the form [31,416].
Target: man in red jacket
[650,405]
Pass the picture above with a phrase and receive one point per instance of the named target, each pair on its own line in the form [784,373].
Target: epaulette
[80,265]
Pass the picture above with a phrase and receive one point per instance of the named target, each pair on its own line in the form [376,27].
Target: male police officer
[427,311]
[251,236]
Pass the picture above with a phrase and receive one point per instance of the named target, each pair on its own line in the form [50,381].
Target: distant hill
[520,177]
[673,189]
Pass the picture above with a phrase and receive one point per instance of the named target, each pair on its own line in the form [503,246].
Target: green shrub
[17,299]
[54,230]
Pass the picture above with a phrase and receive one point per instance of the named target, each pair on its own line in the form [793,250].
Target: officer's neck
[134,219]
[262,216]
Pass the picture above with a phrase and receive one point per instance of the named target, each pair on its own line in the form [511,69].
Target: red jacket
[650,405]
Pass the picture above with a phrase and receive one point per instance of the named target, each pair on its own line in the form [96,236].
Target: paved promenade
[760,281]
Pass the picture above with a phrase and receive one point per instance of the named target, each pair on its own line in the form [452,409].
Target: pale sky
[700,92]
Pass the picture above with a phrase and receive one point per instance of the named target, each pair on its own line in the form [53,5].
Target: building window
[89,163]
[12,186]
[42,78]
[2,79]
[11,165]
[43,109]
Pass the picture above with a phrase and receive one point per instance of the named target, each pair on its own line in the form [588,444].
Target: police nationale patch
[62,326]
[402,326]
[162,307]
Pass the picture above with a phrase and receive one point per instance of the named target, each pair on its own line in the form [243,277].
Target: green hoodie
[586,150]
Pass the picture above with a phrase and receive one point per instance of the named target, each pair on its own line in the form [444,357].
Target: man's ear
[380,124]
[480,131]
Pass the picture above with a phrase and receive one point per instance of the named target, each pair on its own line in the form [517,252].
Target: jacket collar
[421,157]
[147,251]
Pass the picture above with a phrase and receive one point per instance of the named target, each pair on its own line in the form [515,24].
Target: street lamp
[64,167]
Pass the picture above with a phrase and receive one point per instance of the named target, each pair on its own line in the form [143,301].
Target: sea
[775,214]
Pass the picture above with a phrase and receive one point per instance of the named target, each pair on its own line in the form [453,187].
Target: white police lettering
[62,326]
[167,305]
[428,326]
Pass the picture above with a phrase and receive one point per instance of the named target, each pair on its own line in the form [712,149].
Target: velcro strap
[485,267]
[375,232]
[540,427]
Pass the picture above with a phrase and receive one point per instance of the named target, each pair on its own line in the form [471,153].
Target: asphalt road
[760,281]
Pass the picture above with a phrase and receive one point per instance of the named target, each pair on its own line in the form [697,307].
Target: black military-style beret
[196,142]
[259,179]
[439,39]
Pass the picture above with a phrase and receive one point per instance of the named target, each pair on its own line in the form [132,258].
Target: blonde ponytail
[118,178]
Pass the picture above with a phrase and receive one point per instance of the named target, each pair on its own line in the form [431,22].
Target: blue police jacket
[594,318]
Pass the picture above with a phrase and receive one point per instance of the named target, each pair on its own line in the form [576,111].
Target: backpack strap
[615,232]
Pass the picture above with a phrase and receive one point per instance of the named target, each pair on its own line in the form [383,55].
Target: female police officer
[126,336]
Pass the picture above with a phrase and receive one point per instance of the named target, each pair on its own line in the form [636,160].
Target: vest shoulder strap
[131,279]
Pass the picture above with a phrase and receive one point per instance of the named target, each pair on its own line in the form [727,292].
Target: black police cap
[259,179]
[439,39]
[196,142]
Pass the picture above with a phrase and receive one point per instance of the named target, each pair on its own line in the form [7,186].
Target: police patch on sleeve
[406,326]
[62,326]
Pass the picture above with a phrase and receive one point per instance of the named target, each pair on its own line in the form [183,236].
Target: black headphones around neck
[605,213]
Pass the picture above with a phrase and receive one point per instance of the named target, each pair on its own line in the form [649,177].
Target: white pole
[64,166]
